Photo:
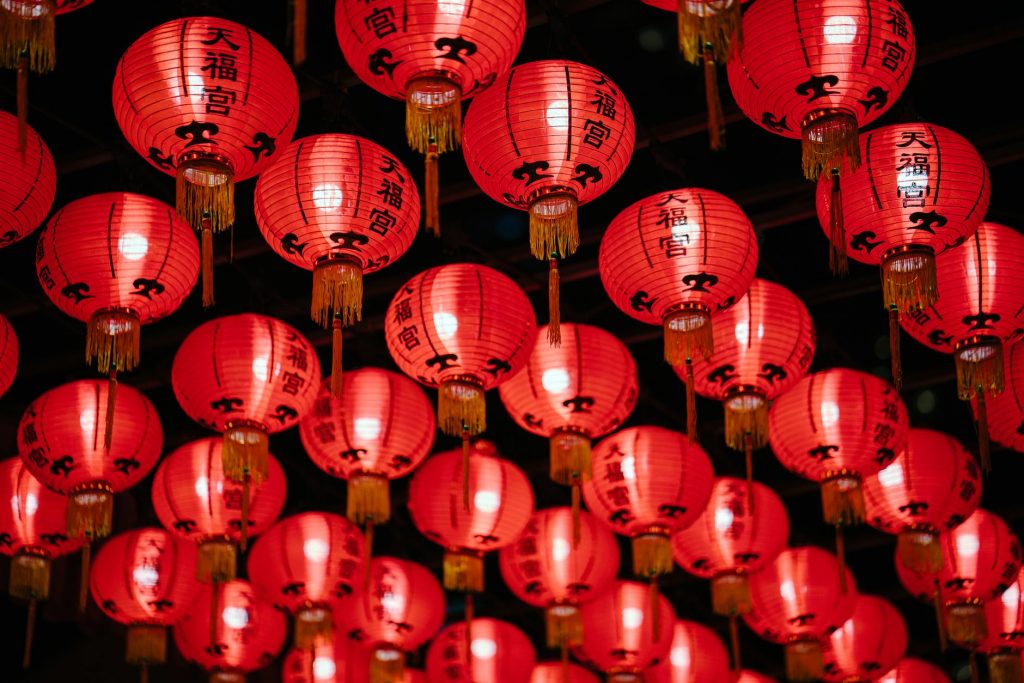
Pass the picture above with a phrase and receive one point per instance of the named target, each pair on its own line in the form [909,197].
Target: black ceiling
[966,77]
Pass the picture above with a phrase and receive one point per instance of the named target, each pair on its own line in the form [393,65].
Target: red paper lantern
[337,661]
[8,355]
[29,179]
[874,639]
[382,428]
[933,485]
[819,72]
[1006,410]
[697,655]
[498,652]
[748,676]
[1004,626]
[246,634]
[738,533]
[248,376]
[650,484]
[308,564]
[912,670]
[222,124]
[797,601]
[338,205]
[547,568]
[554,672]
[145,579]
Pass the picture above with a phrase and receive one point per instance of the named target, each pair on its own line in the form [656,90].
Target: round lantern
[382,428]
[306,564]
[748,676]
[572,393]
[729,541]
[1006,410]
[545,569]
[673,259]
[29,178]
[433,56]
[818,72]
[224,123]
[912,670]
[696,655]
[874,639]
[933,485]
[1004,625]
[550,136]
[8,355]
[561,672]
[247,376]
[797,601]
[338,205]
[982,286]
[629,629]
[493,651]
[337,661]
[145,579]
[194,500]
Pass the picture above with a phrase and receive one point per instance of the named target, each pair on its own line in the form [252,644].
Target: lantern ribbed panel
[1006,410]
[460,320]
[311,557]
[697,655]
[8,355]
[798,596]
[240,104]
[249,632]
[246,367]
[192,498]
[934,482]
[65,6]
[686,246]
[337,195]
[874,639]
[918,184]
[31,515]
[838,419]
[804,57]
[552,672]
[543,568]
[501,653]
[731,537]
[117,250]
[384,424]
[60,436]
[913,670]
[1004,617]
[501,500]
[145,576]
[669,489]
[333,662]
[748,676]
[29,181]
[548,126]
[620,629]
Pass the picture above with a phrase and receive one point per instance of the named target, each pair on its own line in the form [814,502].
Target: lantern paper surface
[333,662]
[8,355]
[1006,410]
[1004,619]
[552,672]
[913,670]
[499,653]
[32,518]
[697,655]
[29,181]
[874,639]
[748,676]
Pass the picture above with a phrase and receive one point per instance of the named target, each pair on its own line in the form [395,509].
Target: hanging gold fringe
[433,114]
[368,499]
[108,421]
[244,452]
[554,307]
[837,259]
[734,645]
[205,191]
[314,626]
[804,661]
[554,230]
[27,32]
[748,459]
[463,571]
[746,415]
[842,500]
[83,582]
[146,643]
[30,574]
[652,554]
[908,278]
[564,625]
[206,233]
[654,608]
[90,510]
[243,532]
[298,32]
[387,665]
[217,560]
[716,119]
[688,334]
[830,142]
[22,103]
[730,594]
[895,364]
[691,404]
[965,623]
[30,630]
[575,514]
[112,340]
[714,26]
[841,558]
[431,192]
[461,407]
[919,549]
[569,452]
[940,616]
[1005,667]
[337,291]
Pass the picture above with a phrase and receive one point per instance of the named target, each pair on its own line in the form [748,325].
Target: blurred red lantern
[8,355]
[696,655]
[748,676]
[230,631]
[222,124]
[797,601]
[874,639]
[498,652]
[29,180]
[307,564]
[248,376]
[673,259]
[982,286]
[912,670]
[821,71]
[1006,410]
[145,579]
[933,485]
[337,661]
[545,569]
[729,541]
[338,205]
[443,53]
[1004,625]
[555,672]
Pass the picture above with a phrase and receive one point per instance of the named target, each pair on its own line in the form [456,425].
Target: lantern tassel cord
[30,628]
[984,450]
[144,673]
[207,261]
[83,587]
[748,452]
[214,612]
[940,621]
[243,534]
[336,342]
[465,468]
[554,306]
[22,102]
[431,184]
[837,260]
[576,512]
[368,551]
[469,630]
[734,643]
[716,120]
[972,661]
[298,32]
[691,404]
[841,555]
[108,426]
[654,607]
[894,348]
[565,662]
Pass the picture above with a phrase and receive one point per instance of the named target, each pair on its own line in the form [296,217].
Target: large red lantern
[247,376]
[336,661]
[982,286]
[1006,410]
[933,485]
[871,641]
[433,56]
[673,259]
[145,579]
[493,652]
[307,564]
[546,569]
[912,670]
[338,205]
[559,672]
[230,631]
[697,655]
[210,102]
[29,179]
[8,355]
[1004,626]
[797,601]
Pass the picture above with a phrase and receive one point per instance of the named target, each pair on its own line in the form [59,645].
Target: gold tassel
[569,452]
[205,191]
[243,535]
[895,365]
[972,661]
[112,339]
[206,232]
[83,583]
[564,625]
[244,452]
[688,334]
[654,607]
[216,560]
[463,571]
[433,114]
[748,458]
[146,643]
[431,192]
[30,629]
[919,549]
[940,617]
[984,449]
[804,661]
[108,422]
[469,632]
[716,119]
[30,574]
[841,498]
[979,371]
[337,337]
[461,407]
[564,659]
[22,102]
[214,612]
[368,498]
[965,623]
[730,594]
[554,227]
[298,32]
[27,32]
[841,557]
[465,470]
[829,142]
[908,278]
[712,26]
[90,510]
[387,665]
[575,514]
[1005,667]
[734,642]
[314,626]
[691,404]
[746,418]
[652,554]
[838,262]
[367,555]
[554,307]
[144,673]
[337,291]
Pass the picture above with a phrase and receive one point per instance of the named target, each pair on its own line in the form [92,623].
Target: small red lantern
[8,355]
[673,259]
[1004,625]
[873,639]
[29,178]
[797,601]
[230,631]
[933,485]
[1006,410]
[697,655]
[494,652]
[748,676]
[337,661]
[307,564]
[558,672]
[145,579]
[912,670]
[441,54]
[223,123]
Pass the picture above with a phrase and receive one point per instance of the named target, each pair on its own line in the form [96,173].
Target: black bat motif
[197,133]
[699,282]
[861,241]
[937,338]
[817,87]
[666,510]
[295,588]
[530,172]
[53,539]
[160,160]
[587,173]
[877,99]
[884,456]
[768,120]
[639,302]
[823,452]
[927,221]
[352,454]
[348,239]
[485,539]
[534,422]
[62,465]
[443,361]
[291,245]
[126,465]
[580,404]
[227,405]
[399,461]
[981,320]
[379,64]
[455,48]
[147,288]
[771,372]
[186,526]
[914,507]
[283,413]
[77,291]
[262,146]
[496,366]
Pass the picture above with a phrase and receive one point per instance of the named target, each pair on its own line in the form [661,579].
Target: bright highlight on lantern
[132,246]
[367,428]
[967,545]
[787,591]
[555,380]
[261,368]
[31,505]
[315,550]
[486,501]
[559,549]
[483,648]
[558,115]
[891,475]
[1011,597]
[446,324]
[681,657]
[829,413]
[743,332]
[454,8]
[236,618]
[324,668]
[628,468]
[87,420]
[724,519]
[327,197]
[840,30]
[632,617]
[145,576]
[393,603]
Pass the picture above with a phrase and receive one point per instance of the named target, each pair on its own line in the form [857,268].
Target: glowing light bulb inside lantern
[145,576]
[87,421]
[559,549]
[483,648]
[555,380]
[486,501]
[25,10]
[628,467]
[787,591]
[327,197]
[132,246]
[31,505]
[967,545]
[742,332]
[446,324]
[367,428]
[681,658]
[557,115]
[829,413]
[236,618]
[840,30]
[393,604]
[315,550]
[261,368]
[1011,597]
[891,475]
[911,179]
[632,617]
[455,8]
[202,487]
[324,668]
[724,519]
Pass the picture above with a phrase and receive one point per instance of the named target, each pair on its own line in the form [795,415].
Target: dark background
[966,78]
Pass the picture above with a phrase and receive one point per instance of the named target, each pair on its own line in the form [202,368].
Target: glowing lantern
[1004,624]
[874,639]
[696,655]
[911,670]
[557,672]
[29,178]
[8,355]
[748,676]
[336,661]
[492,652]
[1006,410]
